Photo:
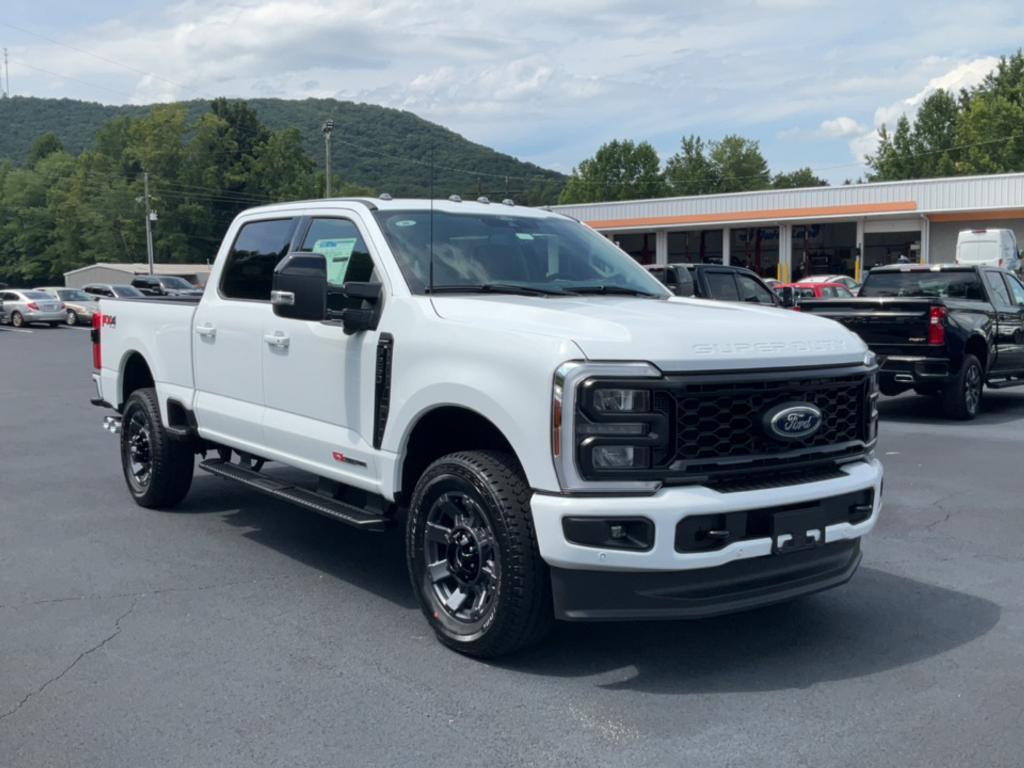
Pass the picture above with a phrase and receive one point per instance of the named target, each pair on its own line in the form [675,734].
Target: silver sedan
[20,307]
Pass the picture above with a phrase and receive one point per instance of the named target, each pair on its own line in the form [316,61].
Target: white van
[988,248]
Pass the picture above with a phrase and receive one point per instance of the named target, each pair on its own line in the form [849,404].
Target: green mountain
[387,150]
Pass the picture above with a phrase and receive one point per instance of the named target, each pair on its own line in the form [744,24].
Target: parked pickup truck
[562,437]
[943,330]
[715,281]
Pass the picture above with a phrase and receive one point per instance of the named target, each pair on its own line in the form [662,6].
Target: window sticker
[338,253]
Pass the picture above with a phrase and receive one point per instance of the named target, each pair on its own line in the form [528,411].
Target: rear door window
[722,285]
[249,269]
[1000,296]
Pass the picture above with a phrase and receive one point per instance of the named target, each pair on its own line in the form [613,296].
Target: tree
[739,164]
[690,171]
[733,164]
[619,170]
[802,177]
[45,145]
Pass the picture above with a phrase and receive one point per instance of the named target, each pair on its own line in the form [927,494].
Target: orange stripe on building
[769,215]
[1011,213]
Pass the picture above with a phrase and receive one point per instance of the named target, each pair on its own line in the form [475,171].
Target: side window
[722,285]
[348,258]
[249,271]
[1017,289]
[1000,296]
[751,290]
[843,293]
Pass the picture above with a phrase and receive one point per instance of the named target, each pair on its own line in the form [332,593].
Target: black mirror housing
[787,297]
[367,316]
[300,287]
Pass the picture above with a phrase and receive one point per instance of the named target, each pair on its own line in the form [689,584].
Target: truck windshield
[924,283]
[500,253]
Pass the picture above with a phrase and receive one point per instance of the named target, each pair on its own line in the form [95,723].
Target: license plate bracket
[797,530]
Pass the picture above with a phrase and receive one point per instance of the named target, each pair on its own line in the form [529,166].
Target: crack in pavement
[69,667]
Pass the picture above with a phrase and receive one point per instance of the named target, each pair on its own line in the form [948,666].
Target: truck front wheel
[157,468]
[473,557]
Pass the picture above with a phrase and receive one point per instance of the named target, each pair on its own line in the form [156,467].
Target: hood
[676,335]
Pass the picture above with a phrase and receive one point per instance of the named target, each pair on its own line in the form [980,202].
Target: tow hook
[112,424]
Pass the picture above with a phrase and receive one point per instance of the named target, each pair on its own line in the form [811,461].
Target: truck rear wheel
[157,468]
[473,557]
[961,398]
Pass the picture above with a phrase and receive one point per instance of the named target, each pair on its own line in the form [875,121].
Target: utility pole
[150,218]
[327,128]
[7,76]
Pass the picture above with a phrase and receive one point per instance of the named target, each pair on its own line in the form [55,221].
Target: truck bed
[159,328]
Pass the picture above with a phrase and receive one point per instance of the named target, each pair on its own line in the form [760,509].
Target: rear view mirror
[787,297]
[300,287]
[366,315]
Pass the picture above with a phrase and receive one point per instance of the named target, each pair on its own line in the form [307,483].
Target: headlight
[606,435]
[620,457]
[622,400]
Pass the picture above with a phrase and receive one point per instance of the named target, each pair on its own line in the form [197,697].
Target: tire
[470,519]
[961,399]
[157,468]
[17,320]
[71,317]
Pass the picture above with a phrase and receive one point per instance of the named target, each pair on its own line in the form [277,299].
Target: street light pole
[327,128]
[150,216]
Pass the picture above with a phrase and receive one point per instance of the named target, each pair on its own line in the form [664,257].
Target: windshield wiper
[507,288]
[617,290]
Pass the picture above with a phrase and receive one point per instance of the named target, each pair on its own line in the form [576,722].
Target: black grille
[720,420]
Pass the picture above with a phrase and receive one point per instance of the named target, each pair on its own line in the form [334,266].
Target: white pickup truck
[562,437]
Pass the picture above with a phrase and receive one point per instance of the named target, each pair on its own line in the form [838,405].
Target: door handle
[206,331]
[277,340]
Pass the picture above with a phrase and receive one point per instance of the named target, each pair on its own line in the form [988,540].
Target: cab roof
[493,208]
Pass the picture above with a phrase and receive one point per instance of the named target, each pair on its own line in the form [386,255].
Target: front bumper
[599,582]
[738,586]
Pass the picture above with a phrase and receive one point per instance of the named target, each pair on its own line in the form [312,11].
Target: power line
[90,53]
[72,79]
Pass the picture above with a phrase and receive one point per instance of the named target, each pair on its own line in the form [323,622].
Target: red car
[816,290]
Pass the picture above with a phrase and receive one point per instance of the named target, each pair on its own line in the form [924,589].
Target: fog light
[619,457]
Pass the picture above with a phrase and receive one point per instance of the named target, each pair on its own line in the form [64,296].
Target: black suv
[714,281]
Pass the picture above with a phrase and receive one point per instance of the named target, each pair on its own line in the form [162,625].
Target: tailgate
[878,321]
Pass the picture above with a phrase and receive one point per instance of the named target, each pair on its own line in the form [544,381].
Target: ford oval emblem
[793,421]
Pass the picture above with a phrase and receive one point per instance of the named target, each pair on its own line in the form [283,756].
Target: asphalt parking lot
[236,632]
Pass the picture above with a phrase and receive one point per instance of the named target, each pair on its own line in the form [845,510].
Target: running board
[325,505]
[1005,384]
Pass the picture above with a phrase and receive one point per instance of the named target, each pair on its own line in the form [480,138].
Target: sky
[545,80]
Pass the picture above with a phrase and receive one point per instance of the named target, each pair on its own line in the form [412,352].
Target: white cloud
[964,75]
[840,126]
[864,141]
[549,80]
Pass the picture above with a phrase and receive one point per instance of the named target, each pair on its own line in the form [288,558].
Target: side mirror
[363,317]
[684,289]
[787,297]
[300,287]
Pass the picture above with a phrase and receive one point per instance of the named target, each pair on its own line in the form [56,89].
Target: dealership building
[787,234]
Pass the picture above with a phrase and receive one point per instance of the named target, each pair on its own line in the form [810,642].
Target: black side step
[337,510]
[1006,384]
